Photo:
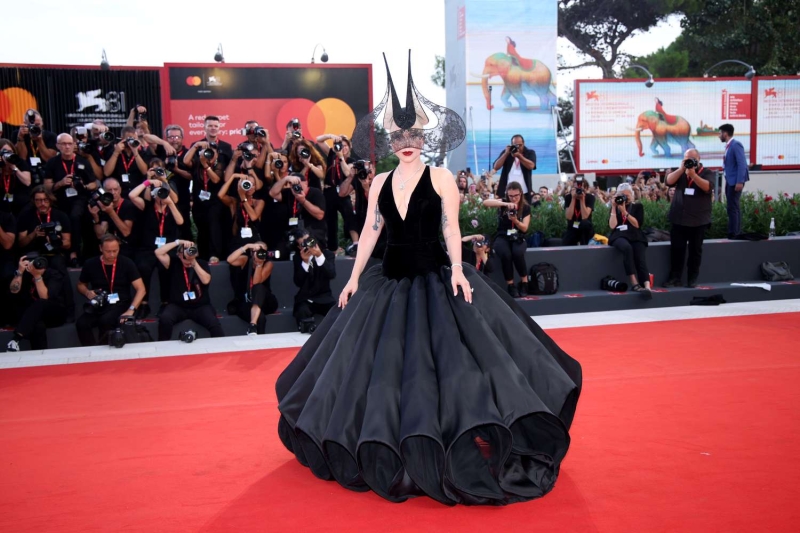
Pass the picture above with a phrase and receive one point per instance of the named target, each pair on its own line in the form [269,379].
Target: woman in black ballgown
[409,388]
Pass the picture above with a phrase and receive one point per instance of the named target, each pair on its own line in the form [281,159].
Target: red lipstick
[407,153]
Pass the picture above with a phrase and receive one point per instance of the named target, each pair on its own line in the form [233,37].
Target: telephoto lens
[187,336]
[296,134]
[514,149]
[133,143]
[608,283]
[690,163]
[260,132]
[11,158]
[208,153]
[261,254]
[107,136]
[35,130]
[160,192]
[39,263]
[171,162]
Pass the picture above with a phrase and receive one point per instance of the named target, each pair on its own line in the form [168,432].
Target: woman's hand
[348,291]
[458,280]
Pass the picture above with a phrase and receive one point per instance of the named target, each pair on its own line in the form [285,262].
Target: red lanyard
[71,170]
[128,164]
[690,181]
[113,273]
[48,216]
[205,180]
[294,210]
[121,200]
[186,277]
[478,265]
[246,216]
[625,219]
[7,182]
[161,219]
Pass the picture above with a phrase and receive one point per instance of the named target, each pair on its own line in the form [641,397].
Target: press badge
[293,221]
[8,197]
[35,161]
[126,178]
[188,295]
[81,167]
[72,191]
[113,298]
[511,232]
[576,224]
[688,191]
[205,195]
[160,241]
[49,247]
[623,227]
[246,233]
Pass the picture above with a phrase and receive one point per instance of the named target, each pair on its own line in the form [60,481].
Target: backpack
[543,279]
[778,271]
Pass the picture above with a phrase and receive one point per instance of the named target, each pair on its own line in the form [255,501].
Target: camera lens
[160,171]
[305,153]
[296,134]
[337,147]
[261,254]
[246,185]
[133,143]
[278,163]
[107,136]
[35,130]
[297,188]
[208,153]
[190,251]
[171,161]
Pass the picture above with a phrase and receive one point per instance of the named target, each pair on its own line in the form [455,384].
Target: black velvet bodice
[413,247]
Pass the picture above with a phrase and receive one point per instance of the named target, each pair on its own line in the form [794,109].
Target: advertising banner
[326,99]
[511,78]
[778,122]
[73,96]
[623,125]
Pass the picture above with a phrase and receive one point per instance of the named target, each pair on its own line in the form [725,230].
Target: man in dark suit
[736,175]
[517,162]
[314,268]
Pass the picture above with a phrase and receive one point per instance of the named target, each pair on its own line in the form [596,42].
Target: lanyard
[245,216]
[186,277]
[294,210]
[205,180]
[34,149]
[7,183]
[48,216]
[71,170]
[128,164]
[113,274]
[624,218]
[121,200]
[161,220]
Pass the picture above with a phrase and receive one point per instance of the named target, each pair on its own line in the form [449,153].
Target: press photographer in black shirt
[33,142]
[117,217]
[245,209]
[127,162]
[578,207]
[477,251]
[45,230]
[517,162]
[339,169]
[172,151]
[513,220]
[189,279]
[39,299]
[689,216]
[626,221]
[106,283]
[306,160]
[16,179]
[359,183]
[307,205]
[276,214]
[251,269]
[314,268]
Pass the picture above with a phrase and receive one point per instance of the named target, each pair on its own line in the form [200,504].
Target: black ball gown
[411,391]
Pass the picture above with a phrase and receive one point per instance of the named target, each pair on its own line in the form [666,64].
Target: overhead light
[650,81]
[104,61]
[750,74]
[218,57]
[323,57]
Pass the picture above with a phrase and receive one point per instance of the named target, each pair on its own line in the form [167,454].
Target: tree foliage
[438,72]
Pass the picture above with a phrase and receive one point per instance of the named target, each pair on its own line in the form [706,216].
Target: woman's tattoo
[15,286]
[444,216]
[376,225]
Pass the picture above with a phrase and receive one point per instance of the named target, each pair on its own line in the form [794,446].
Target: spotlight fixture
[749,75]
[218,57]
[323,57]
[650,81]
[104,61]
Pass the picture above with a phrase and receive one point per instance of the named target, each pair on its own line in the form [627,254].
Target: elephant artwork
[664,133]
[521,76]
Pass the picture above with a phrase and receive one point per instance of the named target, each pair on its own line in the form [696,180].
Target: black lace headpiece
[407,126]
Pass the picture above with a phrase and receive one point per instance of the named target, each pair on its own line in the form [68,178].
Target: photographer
[307,205]
[112,214]
[8,263]
[251,269]
[34,143]
[172,151]
[16,179]
[259,138]
[689,216]
[477,251]
[626,221]
[513,220]
[40,301]
[98,145]
[359,184]
[71,179]
[161,221]
[294,134]
[189,279]
[106,283]
[339,169]
[45,230]
[126,163]
[517,163]
[276,214]
[245,209]
[314,268]
[245,162]
[306,160]
[578,207]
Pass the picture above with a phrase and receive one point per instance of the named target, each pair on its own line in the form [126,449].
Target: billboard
[326,98]
[510,54]
[777,122]
[623,125]
[73,96]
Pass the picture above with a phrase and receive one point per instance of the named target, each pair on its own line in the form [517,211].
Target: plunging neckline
[410,197]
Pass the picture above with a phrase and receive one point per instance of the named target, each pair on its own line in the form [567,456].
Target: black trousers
[335,204]
[512,256]
[582,234]
[305,309]
[146,263]
[78,214]
[210,217]
[104,322]
[265,300]
[203,315]
[680,237]
[37,316]
[185,229]
[634,258]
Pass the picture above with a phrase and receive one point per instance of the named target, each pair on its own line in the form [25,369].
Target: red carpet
[683,426]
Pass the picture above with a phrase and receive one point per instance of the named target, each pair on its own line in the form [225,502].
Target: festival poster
[778,122]
[624,125]
[511,79]
[325,98]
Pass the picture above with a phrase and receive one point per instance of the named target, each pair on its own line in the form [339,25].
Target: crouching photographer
[626,221]
[39,300]
[251,268]
[579,204]
[476,250]
[45,230]
[106,283]
[314,268]
[513,220]
[189,299]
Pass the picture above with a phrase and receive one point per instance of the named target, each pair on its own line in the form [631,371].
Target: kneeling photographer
[314,268]
[106,283]
[513,220]
[626,221]
[189,299]
[578,207]
[251,268]
[476,250]
[40,300]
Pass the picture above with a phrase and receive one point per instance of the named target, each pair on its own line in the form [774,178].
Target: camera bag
[543,279]
[778,271]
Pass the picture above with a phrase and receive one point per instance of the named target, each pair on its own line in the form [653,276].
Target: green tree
[438,72]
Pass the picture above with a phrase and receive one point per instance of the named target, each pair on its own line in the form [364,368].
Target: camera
[512,212]
[100,196]
[106,136]
[337,146]
[161,193]
[578,191]
[132,142]
[208,153]
[247,150]
[296,134]
[481,243]
[39,262]
[87,147]
[171,162]
[307,325]
[246,185]
[11,158]
[305,153]
[97,303]
[187,336]
[295,123]
[51,227]
[140,116]
[117,337]
[278,163]
[190,251]
[267,254]
[608,283]
[160,172]
[362,168]
[297,188]
[619,200]
[310,242]
[514,149]
[691,163]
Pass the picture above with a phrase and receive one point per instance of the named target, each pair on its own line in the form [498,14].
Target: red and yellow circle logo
[329,115]
[14,103]
[194,81]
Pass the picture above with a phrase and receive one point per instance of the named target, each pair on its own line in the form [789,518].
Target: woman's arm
[176,214]
[450,204]
[522,225]
[135,195]
[262,273]
[223,193]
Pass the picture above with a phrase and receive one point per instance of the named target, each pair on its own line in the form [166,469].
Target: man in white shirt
[517,163]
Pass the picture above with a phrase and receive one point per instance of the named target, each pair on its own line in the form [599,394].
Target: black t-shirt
[178,276]
[155,225]
[56,169]
[100,276]
[629,232]
[13,193]
[9,225]
[30,219]
[126,211]
[577,215]
[692,209]
[333,173]
[178,183]
[317,228]
[504,224]
[49,141]
[224,156]
[127,171]
[53,279]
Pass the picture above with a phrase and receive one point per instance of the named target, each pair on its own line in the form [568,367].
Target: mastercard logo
[14,103]
[194,81]
[604,161]
[329,115]
[781,157]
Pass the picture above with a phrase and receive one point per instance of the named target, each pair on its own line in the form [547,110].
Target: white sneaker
[12,346]
[252,331]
